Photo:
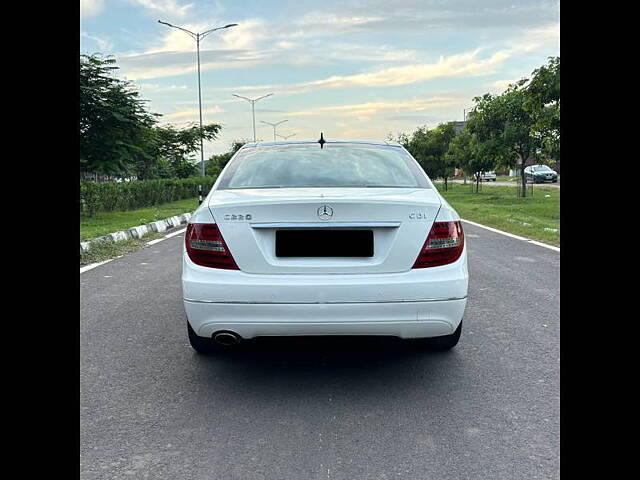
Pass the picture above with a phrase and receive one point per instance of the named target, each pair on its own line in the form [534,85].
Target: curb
[139,231]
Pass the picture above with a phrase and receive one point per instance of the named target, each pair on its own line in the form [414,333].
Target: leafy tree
[118,136]
[504,124]
[113,119]
[429,148]
[215,164]
[175,145]
[543,93]
[472,156]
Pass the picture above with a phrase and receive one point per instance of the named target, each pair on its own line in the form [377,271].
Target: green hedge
[111,196]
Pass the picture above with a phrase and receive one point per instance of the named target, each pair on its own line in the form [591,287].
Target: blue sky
[351,69]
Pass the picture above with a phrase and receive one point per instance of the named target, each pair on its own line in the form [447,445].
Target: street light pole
[200,107]
[197,37]
[274,125]
[253,108]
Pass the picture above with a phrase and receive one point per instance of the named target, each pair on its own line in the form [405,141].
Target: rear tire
[201,345]
[445,342]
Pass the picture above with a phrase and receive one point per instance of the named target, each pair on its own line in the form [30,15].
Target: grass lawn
[499,207]
[108,222]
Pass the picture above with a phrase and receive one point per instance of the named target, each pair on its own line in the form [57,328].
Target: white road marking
[91,266]
[173,234]
[177,232]
[540,244]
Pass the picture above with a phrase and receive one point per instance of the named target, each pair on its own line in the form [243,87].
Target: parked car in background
[540,174]
[489,176]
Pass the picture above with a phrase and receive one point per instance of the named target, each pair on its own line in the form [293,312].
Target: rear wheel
[444,342]
[200,344]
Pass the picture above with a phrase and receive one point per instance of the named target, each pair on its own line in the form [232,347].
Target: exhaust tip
[226,338]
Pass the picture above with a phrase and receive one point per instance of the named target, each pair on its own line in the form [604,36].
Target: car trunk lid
[397,220]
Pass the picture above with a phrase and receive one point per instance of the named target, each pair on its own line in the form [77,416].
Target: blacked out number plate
[324,243]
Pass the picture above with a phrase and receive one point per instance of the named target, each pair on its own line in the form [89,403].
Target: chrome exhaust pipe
[226,338]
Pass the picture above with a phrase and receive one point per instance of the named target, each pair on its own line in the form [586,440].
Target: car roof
[311,142]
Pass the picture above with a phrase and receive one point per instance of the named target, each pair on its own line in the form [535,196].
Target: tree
[215,164]
[118,136]
[429,148]
[504,126]
[543,101]
[472,156]
[175,145]
[113,120]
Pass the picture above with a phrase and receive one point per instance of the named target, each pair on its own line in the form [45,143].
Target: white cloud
[192,113]
[103,45]
[245,35]
[369,109]
[461,65]
[500,86]
[171,8]
[464,64]
[155,88]
[547,37]
[91,8]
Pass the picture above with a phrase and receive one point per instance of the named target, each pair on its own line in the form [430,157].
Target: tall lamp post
[197,37]
[274,125]
[253,108]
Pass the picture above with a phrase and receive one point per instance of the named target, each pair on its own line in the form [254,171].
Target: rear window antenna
[322,141]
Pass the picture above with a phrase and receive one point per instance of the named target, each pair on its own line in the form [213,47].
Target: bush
[112,196]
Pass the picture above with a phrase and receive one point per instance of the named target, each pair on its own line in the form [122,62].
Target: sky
[350,69]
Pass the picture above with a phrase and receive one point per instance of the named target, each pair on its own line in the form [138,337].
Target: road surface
[322,408]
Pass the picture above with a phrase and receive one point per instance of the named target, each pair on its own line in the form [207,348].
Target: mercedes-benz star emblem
[325,212]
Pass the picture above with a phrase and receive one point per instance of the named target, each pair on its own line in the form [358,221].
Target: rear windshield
[307,165]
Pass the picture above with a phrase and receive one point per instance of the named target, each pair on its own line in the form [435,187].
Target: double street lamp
[274,125]
[253,108]
[197,37]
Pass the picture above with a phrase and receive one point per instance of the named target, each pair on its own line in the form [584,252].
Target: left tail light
[206,247]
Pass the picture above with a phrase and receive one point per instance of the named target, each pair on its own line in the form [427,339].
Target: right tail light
[444,245]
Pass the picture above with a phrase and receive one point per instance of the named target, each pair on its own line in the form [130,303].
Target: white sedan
[334,238]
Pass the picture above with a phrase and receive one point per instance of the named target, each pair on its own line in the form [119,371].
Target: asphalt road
[322,408]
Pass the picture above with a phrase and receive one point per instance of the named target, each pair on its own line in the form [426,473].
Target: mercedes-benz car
[540,174]
[314,238]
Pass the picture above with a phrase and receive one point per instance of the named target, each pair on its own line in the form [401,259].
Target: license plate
[324,243]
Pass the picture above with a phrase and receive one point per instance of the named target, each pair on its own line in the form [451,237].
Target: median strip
[138,232]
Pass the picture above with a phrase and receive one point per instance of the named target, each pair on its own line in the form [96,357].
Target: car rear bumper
[399,319]
[417,303]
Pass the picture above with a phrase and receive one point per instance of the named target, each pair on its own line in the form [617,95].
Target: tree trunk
[445,183]
[523,180]
[477,182]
